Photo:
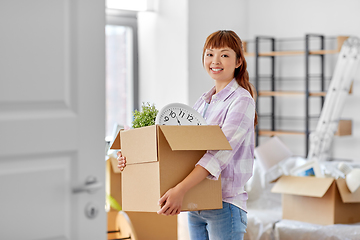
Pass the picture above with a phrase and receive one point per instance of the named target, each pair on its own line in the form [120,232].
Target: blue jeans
[228,223]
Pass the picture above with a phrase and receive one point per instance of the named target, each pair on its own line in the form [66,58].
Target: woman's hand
[121,161]
[171,201]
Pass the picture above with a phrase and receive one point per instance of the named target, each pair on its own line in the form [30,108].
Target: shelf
[272,52]
[272,133]
[292,53]
[291,93]
[340,41]
[289,118]
[314,77]
[323,52]
[344,129]
[247,54]
[317,94]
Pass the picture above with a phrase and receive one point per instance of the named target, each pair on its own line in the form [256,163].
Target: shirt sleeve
[238,122]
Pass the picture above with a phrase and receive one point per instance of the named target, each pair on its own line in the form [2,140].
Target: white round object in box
[353,179]
[179,114]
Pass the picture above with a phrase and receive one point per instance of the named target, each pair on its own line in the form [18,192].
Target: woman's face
[220,63]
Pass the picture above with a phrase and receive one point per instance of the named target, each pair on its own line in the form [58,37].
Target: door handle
[91,185]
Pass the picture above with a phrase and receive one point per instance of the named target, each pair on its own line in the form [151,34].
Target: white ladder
[321,138]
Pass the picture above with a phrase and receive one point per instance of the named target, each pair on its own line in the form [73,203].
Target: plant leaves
[146,117]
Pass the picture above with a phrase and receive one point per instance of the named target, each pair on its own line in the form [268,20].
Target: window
[121,69]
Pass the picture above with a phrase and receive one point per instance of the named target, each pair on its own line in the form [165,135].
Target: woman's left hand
[171,202]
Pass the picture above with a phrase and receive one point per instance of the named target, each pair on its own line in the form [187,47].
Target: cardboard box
[111,220]
[344,128]
[159,157]
[113,180]
[318,200]
[152,226]
[141,226]
[138,225]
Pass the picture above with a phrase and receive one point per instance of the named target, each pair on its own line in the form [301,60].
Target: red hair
[228,38]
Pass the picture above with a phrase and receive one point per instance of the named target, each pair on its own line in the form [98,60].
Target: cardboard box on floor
[152,226]
[145,225]
[111,220]
[318,200]
[113,180]
[141,226]
[159,157]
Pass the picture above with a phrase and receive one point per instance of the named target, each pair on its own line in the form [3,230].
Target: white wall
[163,53]
[206,17]
[171,42]
[284,19]
[170,46]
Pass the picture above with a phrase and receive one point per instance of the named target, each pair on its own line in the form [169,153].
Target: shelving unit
[273,93]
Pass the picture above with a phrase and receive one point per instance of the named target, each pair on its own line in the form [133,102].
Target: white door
[52,109]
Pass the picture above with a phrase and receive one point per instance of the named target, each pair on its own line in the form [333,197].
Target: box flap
[346,195]
[139,145]
[209,137]
[304,186]
[116,143]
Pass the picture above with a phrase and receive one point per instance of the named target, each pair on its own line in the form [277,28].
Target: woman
[230,105]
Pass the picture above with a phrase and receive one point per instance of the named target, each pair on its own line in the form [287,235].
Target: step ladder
[321,139]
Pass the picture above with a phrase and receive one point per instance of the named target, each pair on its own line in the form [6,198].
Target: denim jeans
[228,223]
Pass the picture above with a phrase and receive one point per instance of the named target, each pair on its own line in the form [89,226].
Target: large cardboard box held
[318,200]
[159,157]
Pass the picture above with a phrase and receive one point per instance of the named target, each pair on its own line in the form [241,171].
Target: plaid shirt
[233,109]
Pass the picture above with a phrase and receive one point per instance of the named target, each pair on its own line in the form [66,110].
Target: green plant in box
[146,117]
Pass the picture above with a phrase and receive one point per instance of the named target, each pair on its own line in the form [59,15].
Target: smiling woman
[220,64]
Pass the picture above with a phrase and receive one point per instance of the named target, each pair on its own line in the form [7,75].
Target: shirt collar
[223,94]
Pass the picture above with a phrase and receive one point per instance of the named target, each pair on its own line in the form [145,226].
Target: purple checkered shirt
[233,109]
